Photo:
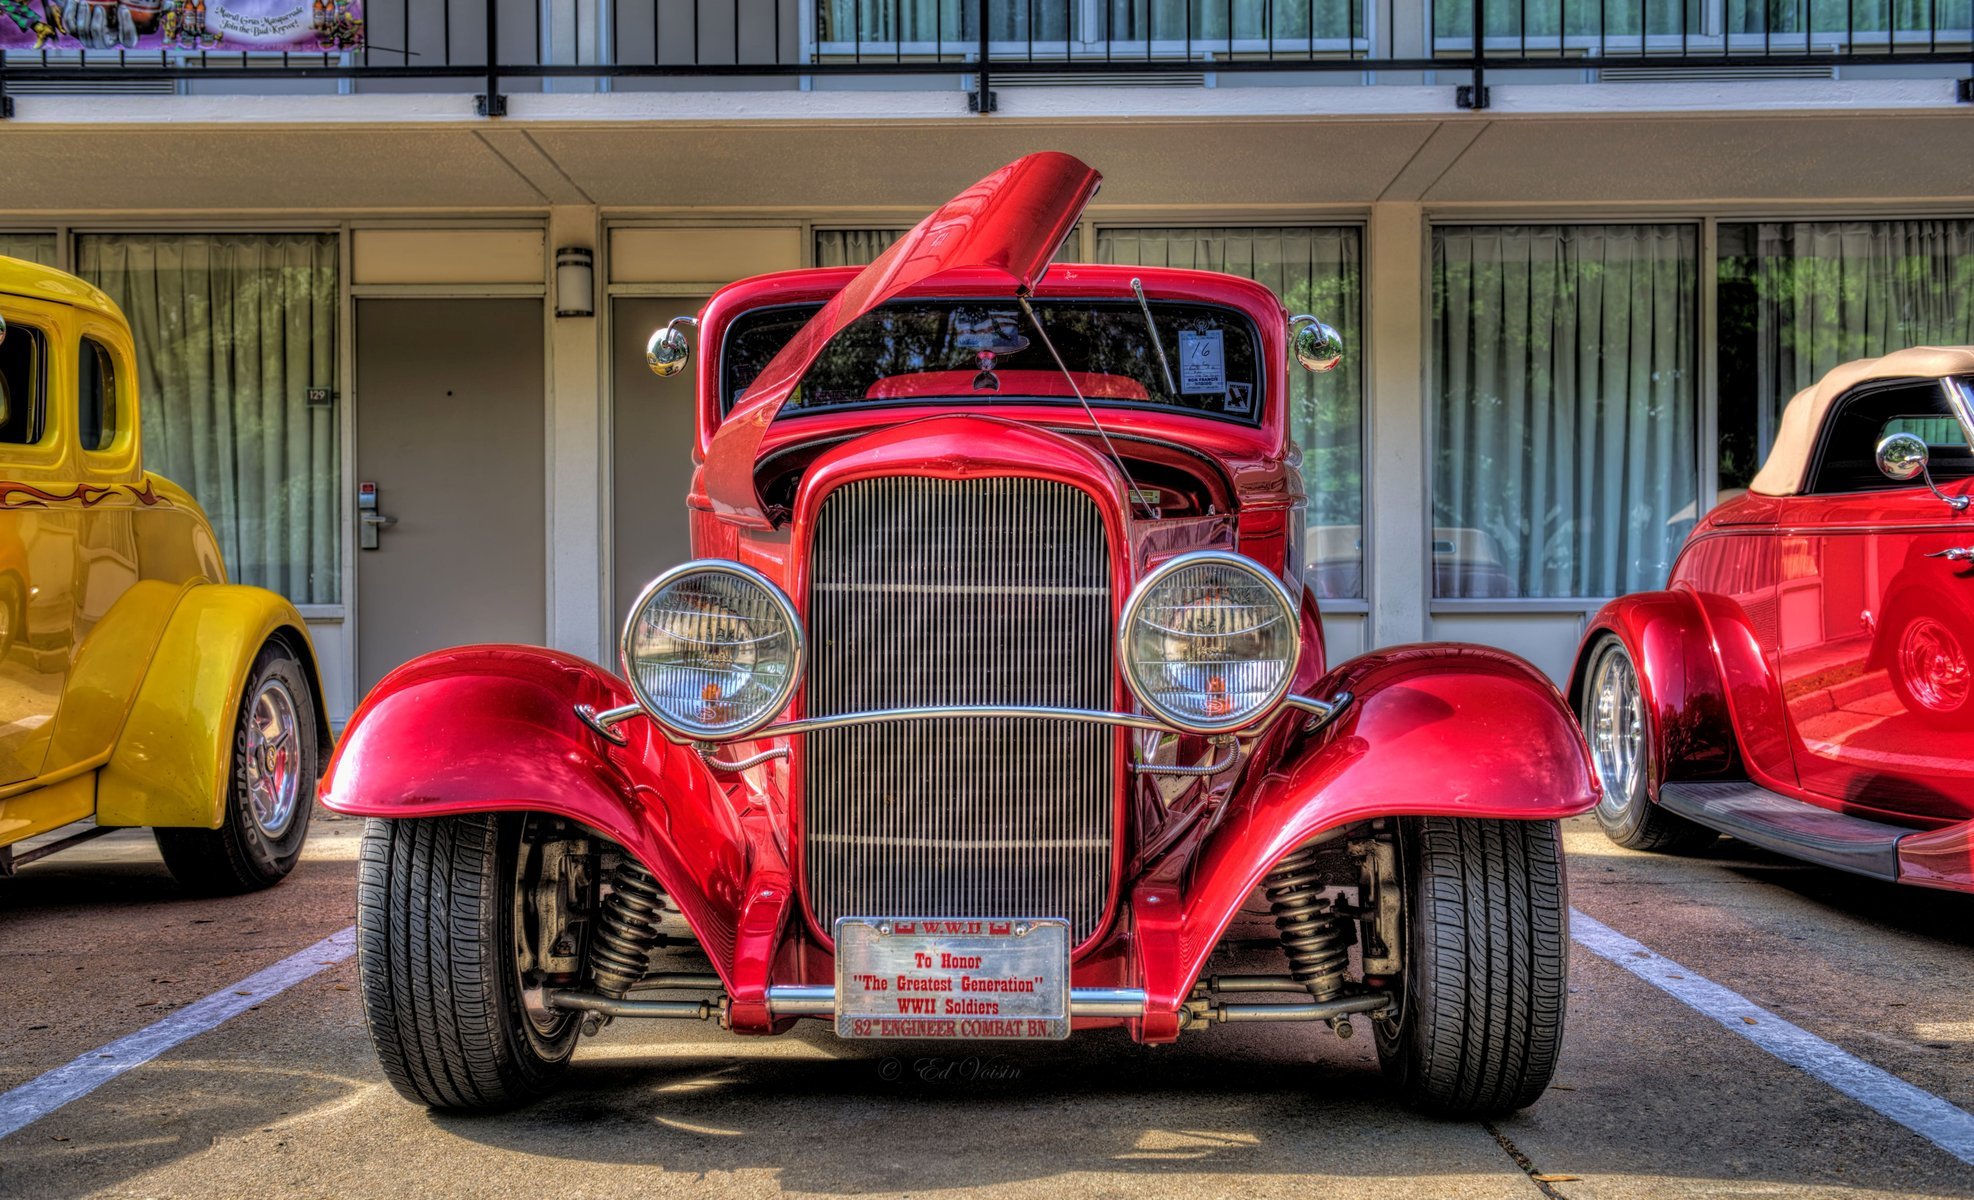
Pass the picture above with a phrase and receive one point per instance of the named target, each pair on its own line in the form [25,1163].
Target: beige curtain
[853,247]
[232,331]
[1315,270]
[1564,407]
[34,247]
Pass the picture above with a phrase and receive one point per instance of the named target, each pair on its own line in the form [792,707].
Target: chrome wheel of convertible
[1615,725]
[1611,707]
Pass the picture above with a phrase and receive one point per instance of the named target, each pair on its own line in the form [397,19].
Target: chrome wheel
[1933,665]
[1615,726]
[273,759]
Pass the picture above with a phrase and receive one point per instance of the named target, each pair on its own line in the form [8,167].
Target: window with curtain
[1564,407]
[1797,298]
[1316,270]
[853,247]
[34,247]
[232,331]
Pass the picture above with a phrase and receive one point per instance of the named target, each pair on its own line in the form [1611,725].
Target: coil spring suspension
[627,929]
[1315,936]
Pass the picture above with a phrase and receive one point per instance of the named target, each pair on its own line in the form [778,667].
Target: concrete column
[1397,444]
[578,476]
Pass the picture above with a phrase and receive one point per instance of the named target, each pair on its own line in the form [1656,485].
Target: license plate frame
[952,979]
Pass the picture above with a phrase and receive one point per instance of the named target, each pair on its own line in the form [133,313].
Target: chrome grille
[980,592]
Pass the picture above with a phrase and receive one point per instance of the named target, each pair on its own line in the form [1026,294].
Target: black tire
[1482,992]
[1627,813]
[258,841]
[437,962]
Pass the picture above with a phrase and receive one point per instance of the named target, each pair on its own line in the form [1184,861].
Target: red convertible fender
[1689,724]
[493,729]
[1439,730]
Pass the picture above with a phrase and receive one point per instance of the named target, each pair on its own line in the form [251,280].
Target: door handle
[1956,554]
[370,522]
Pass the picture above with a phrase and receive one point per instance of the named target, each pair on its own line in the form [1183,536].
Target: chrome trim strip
[1321,713]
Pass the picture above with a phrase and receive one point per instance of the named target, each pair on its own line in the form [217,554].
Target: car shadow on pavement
[1926,912]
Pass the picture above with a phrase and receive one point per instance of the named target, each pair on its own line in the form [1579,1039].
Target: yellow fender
[172,766]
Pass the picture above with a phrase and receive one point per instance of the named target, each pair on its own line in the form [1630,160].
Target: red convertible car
[993,695]
[1806,680]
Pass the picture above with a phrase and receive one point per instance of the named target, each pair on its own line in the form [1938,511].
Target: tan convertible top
[1788,463]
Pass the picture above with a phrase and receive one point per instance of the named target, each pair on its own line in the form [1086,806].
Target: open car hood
[1013,221]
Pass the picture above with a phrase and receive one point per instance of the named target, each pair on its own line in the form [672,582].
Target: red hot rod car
[993,694]
[1806,680]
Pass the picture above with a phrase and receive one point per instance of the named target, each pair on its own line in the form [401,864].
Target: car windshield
[983,352]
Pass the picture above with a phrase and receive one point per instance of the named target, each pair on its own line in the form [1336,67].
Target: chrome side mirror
[1315,345]
[1904,457]
[667,351]
[3,329]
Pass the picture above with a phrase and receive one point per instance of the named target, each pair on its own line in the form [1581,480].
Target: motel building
[1579,263]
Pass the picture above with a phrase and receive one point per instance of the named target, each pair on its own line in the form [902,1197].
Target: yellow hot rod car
[137,686]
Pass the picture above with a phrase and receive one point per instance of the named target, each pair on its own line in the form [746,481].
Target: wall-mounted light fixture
[575,282]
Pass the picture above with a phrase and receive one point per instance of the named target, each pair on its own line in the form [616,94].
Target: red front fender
[493,729]
[1441,730]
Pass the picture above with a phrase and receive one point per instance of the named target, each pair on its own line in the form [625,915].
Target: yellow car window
[23,375]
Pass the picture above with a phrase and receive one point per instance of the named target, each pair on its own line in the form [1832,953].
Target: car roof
[1788,463]
[18,277]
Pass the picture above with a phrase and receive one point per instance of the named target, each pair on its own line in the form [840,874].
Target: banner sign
[241,26]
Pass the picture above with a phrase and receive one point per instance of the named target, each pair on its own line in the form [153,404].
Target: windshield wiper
[1129,487]
[1171,388]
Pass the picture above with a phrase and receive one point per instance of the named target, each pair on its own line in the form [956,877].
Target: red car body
[1447,730]
[1805,675]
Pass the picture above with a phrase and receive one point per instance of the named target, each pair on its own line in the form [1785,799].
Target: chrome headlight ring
[724,638]
[1151,593]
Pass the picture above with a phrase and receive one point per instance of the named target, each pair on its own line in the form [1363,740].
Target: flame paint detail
[85,495]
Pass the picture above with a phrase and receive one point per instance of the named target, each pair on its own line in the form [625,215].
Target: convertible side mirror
[1315,345]
[667,351]
[1903,457]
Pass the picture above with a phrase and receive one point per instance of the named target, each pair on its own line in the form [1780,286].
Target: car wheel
[1932,670]
[1612,711]
[439,960]
[275,766]
[1481,995]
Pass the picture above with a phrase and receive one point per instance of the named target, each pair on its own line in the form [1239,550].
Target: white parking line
[1946,1126]
[42,1095]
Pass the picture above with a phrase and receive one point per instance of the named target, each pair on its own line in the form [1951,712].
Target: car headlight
[1210,642]
[713,650]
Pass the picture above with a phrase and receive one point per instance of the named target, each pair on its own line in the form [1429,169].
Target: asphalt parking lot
[1657,1095]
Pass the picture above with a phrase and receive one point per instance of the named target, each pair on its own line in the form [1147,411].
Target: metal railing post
[982,100]
[491,103]
[1474,95]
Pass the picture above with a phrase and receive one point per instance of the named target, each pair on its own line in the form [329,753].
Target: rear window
[977,353]
[23,382]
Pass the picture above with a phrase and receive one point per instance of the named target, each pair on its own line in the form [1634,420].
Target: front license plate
[963,979]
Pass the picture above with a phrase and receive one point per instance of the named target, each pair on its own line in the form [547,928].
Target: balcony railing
[494,46]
